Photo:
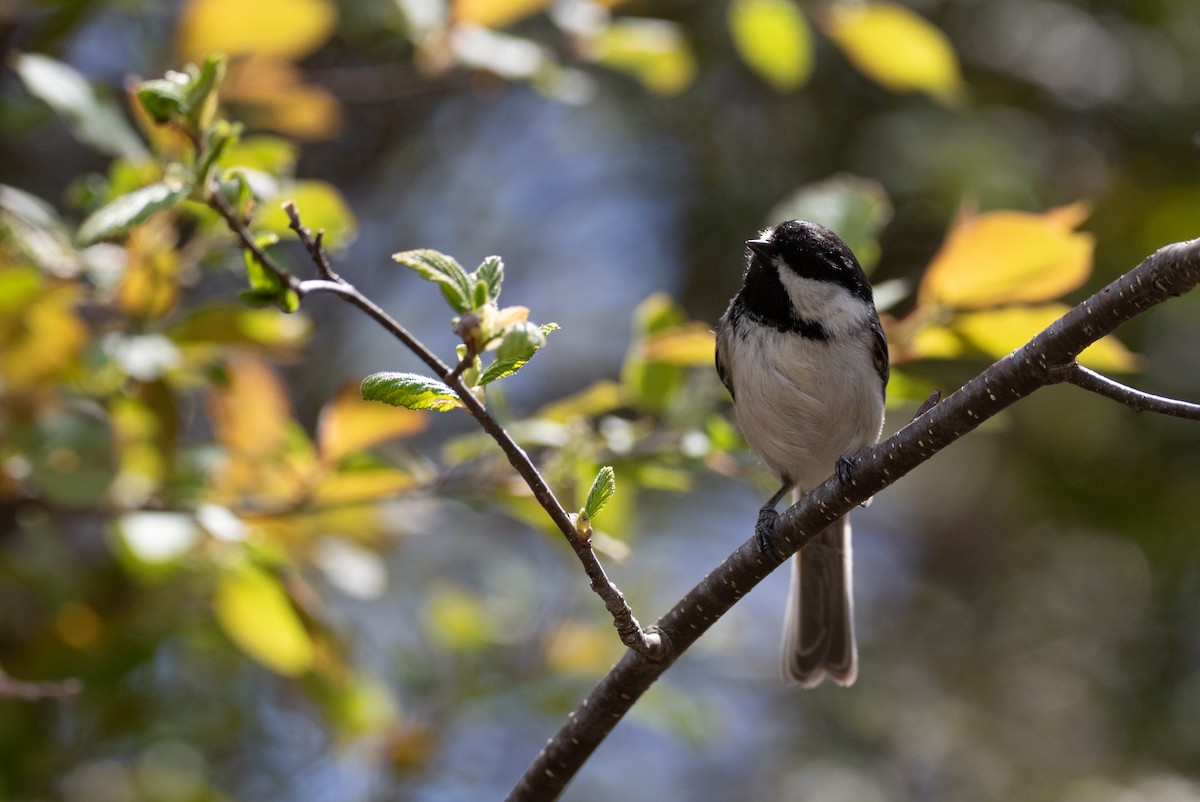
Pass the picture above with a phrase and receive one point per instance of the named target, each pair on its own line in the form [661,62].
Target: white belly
[801,403]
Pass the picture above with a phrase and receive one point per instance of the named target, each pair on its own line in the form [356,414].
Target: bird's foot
[845,474]
[764,532]
[845,470]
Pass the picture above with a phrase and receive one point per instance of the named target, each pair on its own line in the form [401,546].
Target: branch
[646,642]
[1136,400]
[37,691]
[241,230]
[1169,272]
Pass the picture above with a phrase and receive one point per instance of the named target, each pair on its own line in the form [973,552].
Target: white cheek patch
[826,303]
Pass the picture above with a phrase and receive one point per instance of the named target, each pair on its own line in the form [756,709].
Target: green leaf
[94,120]
[258,298]
[288,300]
[650,384]
[202,93]
[216,139]
[479,294]
[603,487]
[33,228]
[162,99]
[273,155]
[856,208]
[492,272]
[127,211]
[774,39]
[517,347]
[235,188]
[434,266]
[266,288]
[409,390]
[261,277]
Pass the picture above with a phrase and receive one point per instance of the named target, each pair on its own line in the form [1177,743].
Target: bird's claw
[845,470]
[845,473]
[764,532]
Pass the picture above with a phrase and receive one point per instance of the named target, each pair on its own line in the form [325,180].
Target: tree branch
[647,642]
[1136,400]
[238,226]
[37,691]
[1169,272]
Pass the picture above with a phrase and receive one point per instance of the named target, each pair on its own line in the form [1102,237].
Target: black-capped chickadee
[803,354]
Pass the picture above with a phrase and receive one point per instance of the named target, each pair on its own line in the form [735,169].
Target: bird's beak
[763,247]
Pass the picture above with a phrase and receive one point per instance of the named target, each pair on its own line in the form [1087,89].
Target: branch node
[315,247]
[239,225]
[651,642]
[464,363]
[928,404]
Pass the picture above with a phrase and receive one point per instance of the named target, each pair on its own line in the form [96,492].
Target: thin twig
[315,248]
[238,226]
[1136,400]
[37,691]
[648,642]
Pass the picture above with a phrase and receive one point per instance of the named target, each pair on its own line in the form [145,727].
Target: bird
[804,357]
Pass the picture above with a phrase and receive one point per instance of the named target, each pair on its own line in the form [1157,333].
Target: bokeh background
[1028,602]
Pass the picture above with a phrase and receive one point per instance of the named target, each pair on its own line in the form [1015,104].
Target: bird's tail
[818,629]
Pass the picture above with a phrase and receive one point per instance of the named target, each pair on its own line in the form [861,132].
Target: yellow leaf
[276,97]
[321,208]
[40,334]
[510,316]
[288,29]
[774,39]
[496,13]
[653,51]
[896,48]
[574,647]
[999,332]
[933,342]
[1067,218]
[251,413]
[150,286]
[269,461]
[349,424]
[690,344]
[352,487]
[1009,257]
[595,399]
[1108,353]
[255,612]
[138,441]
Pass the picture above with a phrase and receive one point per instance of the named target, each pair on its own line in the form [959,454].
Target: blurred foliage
[173,534]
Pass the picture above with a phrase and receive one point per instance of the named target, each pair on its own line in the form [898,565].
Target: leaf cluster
[481,324]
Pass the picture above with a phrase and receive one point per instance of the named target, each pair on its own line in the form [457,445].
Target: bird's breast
[803,403]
